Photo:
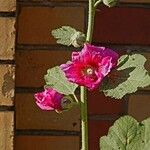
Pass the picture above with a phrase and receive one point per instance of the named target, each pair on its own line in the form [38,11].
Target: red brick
[97,129]
[135,1]
[147,56]
[37,30]
[139,106]
[100,104]
[147,66]
[29,116]
[34,64]
[57,0]
[122,25]
[47,143]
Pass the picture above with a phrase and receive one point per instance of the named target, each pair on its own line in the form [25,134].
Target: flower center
[89,71]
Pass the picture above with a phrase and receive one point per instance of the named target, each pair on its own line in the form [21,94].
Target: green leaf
[67,35]
[56,79]
[127,134]
[127,78]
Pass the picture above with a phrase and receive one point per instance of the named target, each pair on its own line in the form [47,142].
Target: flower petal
[49,99]
[99,60]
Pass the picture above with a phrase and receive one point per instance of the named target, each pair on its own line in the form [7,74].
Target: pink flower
[90,66]
[49,100]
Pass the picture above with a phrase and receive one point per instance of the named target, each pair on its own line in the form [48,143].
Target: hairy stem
[84,114]
[91,14]
[97,3]
[84,120]
[76,99]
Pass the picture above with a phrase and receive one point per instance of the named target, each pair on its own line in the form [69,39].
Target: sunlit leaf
[56,79]
[127,78]
[127,134]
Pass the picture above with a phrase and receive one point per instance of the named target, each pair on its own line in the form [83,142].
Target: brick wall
[124,28]
[34,55]
[7,73]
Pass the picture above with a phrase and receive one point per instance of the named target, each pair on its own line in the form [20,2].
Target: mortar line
[41,132]
[8,14]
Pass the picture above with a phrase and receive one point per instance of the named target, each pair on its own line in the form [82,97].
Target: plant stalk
[84,119]
[91,15]
[83,94]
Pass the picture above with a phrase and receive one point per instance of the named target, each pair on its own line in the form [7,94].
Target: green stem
[84,114]
[84,120]
[76,99]
[91,15]
[97,2]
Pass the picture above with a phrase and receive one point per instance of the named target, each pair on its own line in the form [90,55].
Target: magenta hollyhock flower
[90,66]
[49,100]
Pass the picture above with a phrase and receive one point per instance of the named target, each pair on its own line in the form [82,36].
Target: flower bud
[66,103]
[110,3]
[78,39]
[49,100]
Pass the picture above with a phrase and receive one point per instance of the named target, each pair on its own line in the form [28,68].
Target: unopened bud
[66,103]
[78,39]
[110,3]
